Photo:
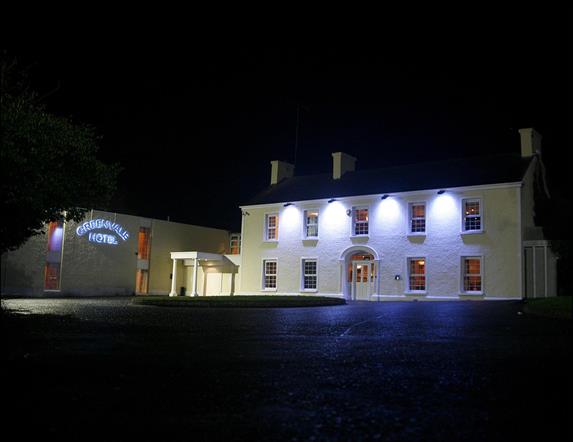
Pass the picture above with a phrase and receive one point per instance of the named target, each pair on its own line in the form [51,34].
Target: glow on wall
[89,228]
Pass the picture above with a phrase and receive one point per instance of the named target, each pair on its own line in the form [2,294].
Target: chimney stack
[342,163]
[530,142]
[280,170]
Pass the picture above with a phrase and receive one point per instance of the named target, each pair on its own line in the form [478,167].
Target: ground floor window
[269,274]
[472,274]
[142,281]
[309,274]
[417,274]
[52,276]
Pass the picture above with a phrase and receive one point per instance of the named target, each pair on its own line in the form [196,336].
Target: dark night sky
[195,128]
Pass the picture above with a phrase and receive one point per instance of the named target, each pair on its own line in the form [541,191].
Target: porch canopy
[196,257]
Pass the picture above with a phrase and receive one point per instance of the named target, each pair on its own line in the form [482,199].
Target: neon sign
[102,238]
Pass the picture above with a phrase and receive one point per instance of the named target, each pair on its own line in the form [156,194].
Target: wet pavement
[93,368]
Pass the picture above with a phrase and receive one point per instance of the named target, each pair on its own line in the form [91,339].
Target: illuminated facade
[108,254]
[459,229]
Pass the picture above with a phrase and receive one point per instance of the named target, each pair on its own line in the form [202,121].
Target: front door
[362,279]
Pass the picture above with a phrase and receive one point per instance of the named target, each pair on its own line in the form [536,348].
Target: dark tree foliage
[48,163]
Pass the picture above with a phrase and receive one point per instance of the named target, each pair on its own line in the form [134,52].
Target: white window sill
[309,291]
[417,234]
[415,292]
[270,240]
[310,238]
[52,290]
[472,232]
[472,294]
[359,236]
[268,290]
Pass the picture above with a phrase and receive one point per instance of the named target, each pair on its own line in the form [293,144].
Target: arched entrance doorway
[360,273]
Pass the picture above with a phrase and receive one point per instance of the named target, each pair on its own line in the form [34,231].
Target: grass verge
[265,301]
[554,307]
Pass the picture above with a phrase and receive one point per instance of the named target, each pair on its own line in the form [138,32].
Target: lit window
[142,281]
[417,218]
[472,274]
[235,243]
[271,227]
[360,221]
[52,268]
[416,274]
[309,274]
[311,223]
[143,243]
[471,215]
[55,236]
[269,274]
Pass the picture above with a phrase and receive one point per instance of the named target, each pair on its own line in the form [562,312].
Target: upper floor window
[271,227]
[235,243]
[417,217]
[360,221]
[416,274]
[311,223]
[472,274]
[269,274]
[143,243]
[472,215]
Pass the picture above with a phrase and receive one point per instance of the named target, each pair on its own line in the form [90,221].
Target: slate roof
[470,171]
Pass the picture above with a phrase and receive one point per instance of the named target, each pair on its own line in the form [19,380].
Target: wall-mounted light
[441,192]
[287,204]
[397,277]
[331,200]
[245,213]
[384,196]
[349,212]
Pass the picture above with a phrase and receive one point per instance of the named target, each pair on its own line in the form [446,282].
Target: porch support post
[195,268]
[174,279]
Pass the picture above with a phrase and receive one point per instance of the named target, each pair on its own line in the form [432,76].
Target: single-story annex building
[455,229]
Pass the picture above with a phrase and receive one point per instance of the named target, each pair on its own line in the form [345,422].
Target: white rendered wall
[442,246]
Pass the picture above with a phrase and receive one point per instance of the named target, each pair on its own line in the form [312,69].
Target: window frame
[463,259]
[305,225]
[266,227]
[303,260]
[353,233]
[233,237]
[464,231]
[264,288]
[409,290]
[411,218]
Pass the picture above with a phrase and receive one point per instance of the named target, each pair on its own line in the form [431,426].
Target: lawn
[238,301]
[554,307]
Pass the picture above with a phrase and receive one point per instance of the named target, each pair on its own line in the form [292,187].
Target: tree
[48,163]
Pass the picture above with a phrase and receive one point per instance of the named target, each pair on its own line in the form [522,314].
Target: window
[143,243]
[360,221]
[270,274]
[271,227]
[235,243]
[142,281]
[417,217]
[416,274]
[472,274]
[52,276]
[309,274]
[311,223]
[471,215]
[52,269]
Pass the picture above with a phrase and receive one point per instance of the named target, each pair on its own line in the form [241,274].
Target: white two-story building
[458,229]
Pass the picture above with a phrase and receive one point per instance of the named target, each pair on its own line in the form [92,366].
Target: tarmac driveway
[102,368]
